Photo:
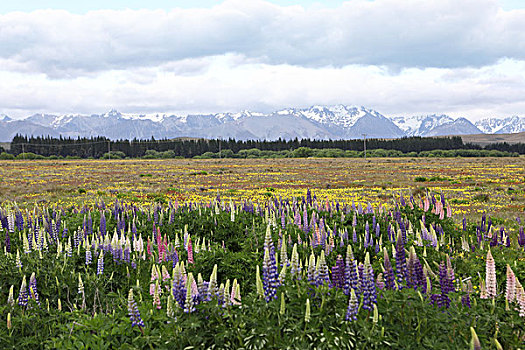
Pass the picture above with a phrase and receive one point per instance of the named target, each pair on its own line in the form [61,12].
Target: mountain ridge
[316,122]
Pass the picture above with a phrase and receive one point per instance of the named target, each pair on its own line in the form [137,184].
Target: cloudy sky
[400,57]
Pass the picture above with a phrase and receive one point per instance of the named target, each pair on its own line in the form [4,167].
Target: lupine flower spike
[491,276]
[133,312]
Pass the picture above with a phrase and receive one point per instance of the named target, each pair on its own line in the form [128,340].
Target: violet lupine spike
[22,296]
[389,272]
[401,268]
[133,311]
[368,288]
[442,300]
[100,264]
[351,311]
[89,257]
[102,224]
[270,277]
[33,289]
[322,271]
[338,273]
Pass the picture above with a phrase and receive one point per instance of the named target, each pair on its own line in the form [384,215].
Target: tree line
[102,147]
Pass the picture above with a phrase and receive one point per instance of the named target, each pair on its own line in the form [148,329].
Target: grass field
[492,185]
[200,254]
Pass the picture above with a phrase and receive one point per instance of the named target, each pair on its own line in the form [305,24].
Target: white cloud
[232,83]
[421,33]
[398,56]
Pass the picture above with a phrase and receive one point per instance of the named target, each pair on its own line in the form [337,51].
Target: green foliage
[234,237]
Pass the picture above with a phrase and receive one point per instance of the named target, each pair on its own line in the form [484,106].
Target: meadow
[260,254]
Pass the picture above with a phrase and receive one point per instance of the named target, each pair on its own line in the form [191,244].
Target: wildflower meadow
[301,271]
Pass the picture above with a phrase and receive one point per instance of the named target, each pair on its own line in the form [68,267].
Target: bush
[6,156]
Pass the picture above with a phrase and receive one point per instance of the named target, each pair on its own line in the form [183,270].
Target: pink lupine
[190,251]
[156,295]
[491,276]
[510,293]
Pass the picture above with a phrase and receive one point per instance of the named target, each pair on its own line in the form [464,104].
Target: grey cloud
[409,33]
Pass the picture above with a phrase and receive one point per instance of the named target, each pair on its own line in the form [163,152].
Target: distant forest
[101,147]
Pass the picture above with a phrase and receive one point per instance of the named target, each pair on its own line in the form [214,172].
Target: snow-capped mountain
[316,122]
[508,125]
[435,125]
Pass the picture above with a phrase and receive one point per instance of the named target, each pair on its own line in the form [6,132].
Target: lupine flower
[520,296]
[100,264]
[188,304]
[389,272]
[156,295]
[18,262]
[190,251]
[380,283]
[33,289]
[491,276]
[442,300]
[22,296]
[9,321]
[307,313]
[10,298]
[353,303]
[89,257]
[474,342]
[212,287]
[270,278]
[368,287]
[258,283]
[510,292]
[295,269]
[401,266]
[133,311]
[165,274]
[322,271]
[102,224]
[236,293]
[80,285]
[338,272]
[465,300]
[169,307]
[311,272]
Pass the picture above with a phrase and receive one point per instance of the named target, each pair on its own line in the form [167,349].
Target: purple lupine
[351,311]
[133,311]
[322,272]
[33,289]
[102,224]
[442,300]
[338,273]
[419,275]
[178,289]
[89,257]
[100,264]
[22,296]
[521,237]
[368,288]
[270,277]
[465,300]
[389,272]
[401,265]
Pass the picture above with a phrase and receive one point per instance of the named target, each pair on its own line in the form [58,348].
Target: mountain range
[316,122]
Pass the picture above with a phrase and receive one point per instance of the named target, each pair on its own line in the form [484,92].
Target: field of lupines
[301,272]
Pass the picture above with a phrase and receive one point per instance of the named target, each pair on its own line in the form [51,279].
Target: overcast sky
[399,57]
